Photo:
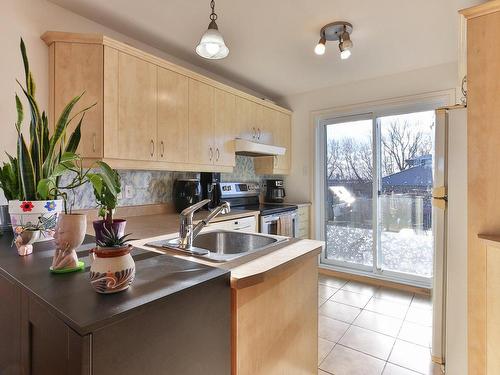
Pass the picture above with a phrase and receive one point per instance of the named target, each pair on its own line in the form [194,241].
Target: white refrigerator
[449,341]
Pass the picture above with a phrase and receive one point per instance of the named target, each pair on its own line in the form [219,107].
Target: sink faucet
[188,231]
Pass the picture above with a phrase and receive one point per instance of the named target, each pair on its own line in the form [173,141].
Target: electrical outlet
[129,191]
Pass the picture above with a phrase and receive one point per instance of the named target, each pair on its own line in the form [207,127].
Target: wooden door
[246,113]
[225,128]
[137,114]
[172,116]
[266,125]
[201,123]
[78,68]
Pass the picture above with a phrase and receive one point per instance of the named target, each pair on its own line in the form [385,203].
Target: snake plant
[41,161]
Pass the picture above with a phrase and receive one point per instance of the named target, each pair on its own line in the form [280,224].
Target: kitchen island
[175,318]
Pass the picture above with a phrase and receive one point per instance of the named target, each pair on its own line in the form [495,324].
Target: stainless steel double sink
[223,246]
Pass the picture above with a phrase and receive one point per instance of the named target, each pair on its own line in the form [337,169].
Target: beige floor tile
[394,295]
[379,323]
[416,333]
[390,308]
[324,348]
[326,291]
[345,361]
[351,298]
[369,342]
[339,311]
[412,356]
[391,369]
[355,286]
[422,302]
[419,316]
[331,281]
[331,329]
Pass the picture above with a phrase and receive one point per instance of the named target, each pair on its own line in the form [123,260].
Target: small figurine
[69,235]
[24,240]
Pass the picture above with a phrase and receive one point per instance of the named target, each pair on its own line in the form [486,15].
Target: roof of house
[420,175]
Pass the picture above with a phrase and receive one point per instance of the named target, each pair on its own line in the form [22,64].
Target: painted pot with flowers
[112,269]
[31,179]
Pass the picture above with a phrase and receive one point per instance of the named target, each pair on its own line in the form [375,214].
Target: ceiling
[271,42]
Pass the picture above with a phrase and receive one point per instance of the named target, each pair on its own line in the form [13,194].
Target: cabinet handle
[93,142]
[217,153]
[258,137]
[254,133]
[162,148]
[152,148]
[211,153]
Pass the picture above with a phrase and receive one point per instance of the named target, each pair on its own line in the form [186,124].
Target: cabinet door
[282,137]
[78,68]
[10,328]
[172,116]
[137,115]
[225,128]
[201,123]
[246,118]
[267,125]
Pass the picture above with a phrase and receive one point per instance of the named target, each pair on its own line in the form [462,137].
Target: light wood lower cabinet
[275,323]
[152,114]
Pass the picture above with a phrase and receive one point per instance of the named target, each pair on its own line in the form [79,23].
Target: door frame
[395,106]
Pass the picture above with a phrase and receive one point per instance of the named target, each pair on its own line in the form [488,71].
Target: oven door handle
[270,218]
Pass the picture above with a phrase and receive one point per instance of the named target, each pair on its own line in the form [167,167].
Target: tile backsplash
[150,187]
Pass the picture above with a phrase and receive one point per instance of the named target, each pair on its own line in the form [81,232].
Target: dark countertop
[72,298]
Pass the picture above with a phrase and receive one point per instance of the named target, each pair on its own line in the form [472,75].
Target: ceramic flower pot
[112,269]
[69,235]
[31,213]
[118,227]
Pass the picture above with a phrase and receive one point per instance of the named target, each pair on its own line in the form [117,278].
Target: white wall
[300,181]
[30,19]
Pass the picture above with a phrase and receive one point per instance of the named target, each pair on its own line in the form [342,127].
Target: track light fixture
[340,31]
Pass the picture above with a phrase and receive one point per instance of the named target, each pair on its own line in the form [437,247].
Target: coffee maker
[210,188]
[275,191]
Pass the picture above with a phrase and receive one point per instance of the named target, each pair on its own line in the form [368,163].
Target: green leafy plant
[45,155]
[107,196]
[112,239]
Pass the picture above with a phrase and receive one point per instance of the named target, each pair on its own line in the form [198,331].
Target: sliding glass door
[377,194]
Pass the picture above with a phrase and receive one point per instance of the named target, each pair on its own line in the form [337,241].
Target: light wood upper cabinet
[201,123]
[246,117]
[72,82]
[225,128]
[137,115]
[281,132]
[172,116]
[152,114]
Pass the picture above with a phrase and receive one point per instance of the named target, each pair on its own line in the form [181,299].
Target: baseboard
[374,281]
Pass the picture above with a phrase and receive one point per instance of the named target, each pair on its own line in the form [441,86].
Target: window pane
[349,233]
[405,210]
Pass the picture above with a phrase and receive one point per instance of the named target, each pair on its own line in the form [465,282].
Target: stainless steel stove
[279,219]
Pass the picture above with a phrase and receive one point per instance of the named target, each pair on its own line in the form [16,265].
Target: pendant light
[340,31]
[212,44]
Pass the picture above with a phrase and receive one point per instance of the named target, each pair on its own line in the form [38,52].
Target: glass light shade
[345,54]
[212,45]
[320,47]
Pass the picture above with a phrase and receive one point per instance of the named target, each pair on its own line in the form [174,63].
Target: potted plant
[107,200]
[38,160]
[113,268]
[71,227]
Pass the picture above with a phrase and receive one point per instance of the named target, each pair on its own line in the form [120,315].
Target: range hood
[249,148]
